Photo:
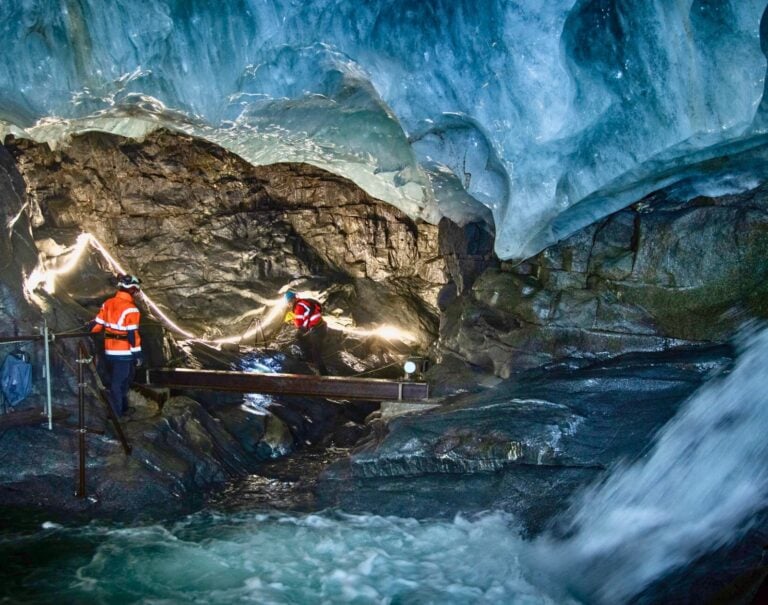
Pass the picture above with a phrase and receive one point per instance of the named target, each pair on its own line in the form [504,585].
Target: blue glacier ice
[551,114]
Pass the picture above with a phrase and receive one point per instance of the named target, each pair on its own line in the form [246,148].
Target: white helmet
[129,283]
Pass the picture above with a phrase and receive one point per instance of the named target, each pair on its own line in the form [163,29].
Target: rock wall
[661,274]
[210,234]
[177,454]
[18,254]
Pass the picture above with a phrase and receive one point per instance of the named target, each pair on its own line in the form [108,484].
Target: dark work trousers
[311,343]
[121,371]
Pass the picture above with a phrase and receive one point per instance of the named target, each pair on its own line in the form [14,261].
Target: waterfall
[695,490]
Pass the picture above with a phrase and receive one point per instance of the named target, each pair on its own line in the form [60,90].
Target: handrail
[85,359]
[47,337]
[103,394]
[23,338]
[53,336]
[81,361]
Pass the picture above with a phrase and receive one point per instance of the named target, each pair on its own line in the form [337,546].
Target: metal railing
[84,358]
[48,338]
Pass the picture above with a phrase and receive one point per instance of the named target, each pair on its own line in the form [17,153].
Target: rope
[394,363]
[257,321]
[15,342]
[73,330]
[247,329]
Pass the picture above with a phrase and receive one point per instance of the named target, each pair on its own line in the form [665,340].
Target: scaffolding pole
[82,359]
[47,353]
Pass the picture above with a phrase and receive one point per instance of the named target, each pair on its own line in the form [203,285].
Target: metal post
[48,406]
[81,361]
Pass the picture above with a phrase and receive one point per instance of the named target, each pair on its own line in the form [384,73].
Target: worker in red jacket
[119,319]
[307,315]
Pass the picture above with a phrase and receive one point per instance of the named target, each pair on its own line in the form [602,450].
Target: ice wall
[551,114]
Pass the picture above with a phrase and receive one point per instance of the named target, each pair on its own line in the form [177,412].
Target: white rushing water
[696,490]
[312,559]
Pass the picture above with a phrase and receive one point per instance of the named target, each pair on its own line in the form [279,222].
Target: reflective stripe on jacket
[117,317]
[307,313]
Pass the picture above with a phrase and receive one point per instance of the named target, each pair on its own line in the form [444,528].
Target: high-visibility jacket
[307,313]
[118,317]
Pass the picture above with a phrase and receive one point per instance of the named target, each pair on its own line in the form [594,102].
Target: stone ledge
[390,409]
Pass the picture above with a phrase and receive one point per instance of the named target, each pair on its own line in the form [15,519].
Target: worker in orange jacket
[307,315]
[119,319]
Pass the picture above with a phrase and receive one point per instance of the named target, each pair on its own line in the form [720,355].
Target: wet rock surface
[285,484]
[525,445]
[175,456]
[181,453]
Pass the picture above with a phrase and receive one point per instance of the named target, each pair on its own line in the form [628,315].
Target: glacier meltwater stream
[695,489]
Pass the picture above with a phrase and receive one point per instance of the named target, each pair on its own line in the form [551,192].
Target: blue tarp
[16,378]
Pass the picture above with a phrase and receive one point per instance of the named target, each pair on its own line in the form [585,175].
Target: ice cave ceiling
[551,114]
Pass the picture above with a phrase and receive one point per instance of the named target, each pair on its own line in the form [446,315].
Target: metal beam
[288,384]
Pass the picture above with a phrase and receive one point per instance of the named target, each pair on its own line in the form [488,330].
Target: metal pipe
[33,337]
[81,361]
[47,352]
[63,335]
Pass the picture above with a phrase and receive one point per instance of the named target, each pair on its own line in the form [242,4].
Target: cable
[394,363]
[72,331]
[15,342]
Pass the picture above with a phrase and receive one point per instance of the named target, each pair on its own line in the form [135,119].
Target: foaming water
[696,490]
[318,558]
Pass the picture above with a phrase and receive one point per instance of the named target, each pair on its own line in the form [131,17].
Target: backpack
[16,378]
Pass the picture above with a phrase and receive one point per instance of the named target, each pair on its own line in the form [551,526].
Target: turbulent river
[700,487]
